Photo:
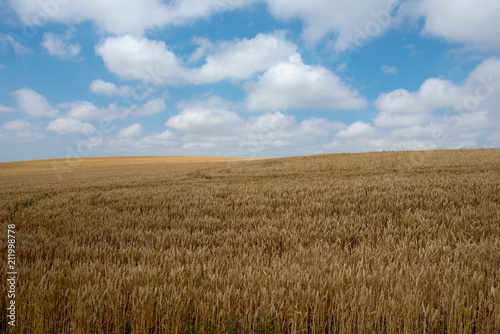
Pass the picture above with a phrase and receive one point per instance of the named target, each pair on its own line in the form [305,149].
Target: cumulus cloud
[442,114]
[270,122]
[109,89]
[269,132]
[294,85]
[140,58]
[352,23]
[199,128]
[357,130]
[133,130]
[165,138]
[21,131]
[182,11]
[471,21]
[130,141]
[70,127]
[480,91]
[395,120]
[153,62]
[240,59]
[205,121]
[277,134]
[152,107]
[433,94]
[109,15]
[320,17]
[60,45]
[87,111]
[205,126]
[266,135]
[115,17]
[34,104]
[482,87]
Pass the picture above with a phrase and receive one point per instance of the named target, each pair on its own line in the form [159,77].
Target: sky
[246,78]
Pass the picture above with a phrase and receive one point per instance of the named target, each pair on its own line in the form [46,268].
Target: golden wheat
[401,242]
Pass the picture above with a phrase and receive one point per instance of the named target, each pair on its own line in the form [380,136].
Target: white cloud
[349,21]
[87,111]
[70,127]
[433,94]
[182,11]
[277,134]
[134,130]
[240,59]
[294,85]
[206,128]
[205,121]
[441,114]
[402,119]
[60,44]
[270,134]
[109,89]
[152,107]
[165,138]
[269,122]
[152,61]
[34,104]
[319,127]
[451,130]
[471,21]
[3,67]
[211,127]
[142,59]
[5,108]
[18,48]
[21,131]
[389,69]
[481,90]
[18,125]
[353,23]
[129,142]
[116,17]
[482,87]
[208,102]
[359,130]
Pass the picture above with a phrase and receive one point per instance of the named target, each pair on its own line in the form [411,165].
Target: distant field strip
[389,242]
[58,164]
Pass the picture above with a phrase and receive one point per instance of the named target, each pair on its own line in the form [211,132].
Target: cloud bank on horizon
[247,78]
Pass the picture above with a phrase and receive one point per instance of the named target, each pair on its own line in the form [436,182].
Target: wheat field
[389,242]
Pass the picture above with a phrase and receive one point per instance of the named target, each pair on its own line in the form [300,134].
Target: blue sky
[246,78]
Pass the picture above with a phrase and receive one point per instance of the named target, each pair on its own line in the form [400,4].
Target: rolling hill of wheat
[389,242]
